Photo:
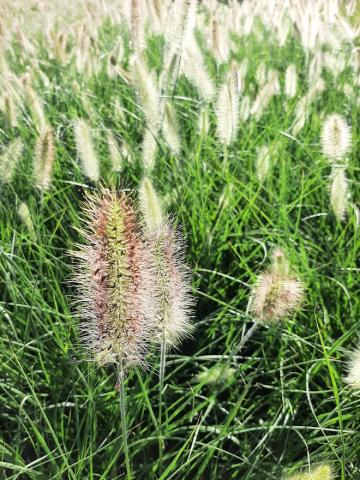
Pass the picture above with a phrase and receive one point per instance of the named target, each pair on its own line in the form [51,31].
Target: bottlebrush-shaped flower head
[276,293]
[172,286]
[335,137]
[322,472]
[353,370]
[113,282]
[339,192]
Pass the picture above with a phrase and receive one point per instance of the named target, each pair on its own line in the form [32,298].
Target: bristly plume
[114,152]
[335,137]
[35,106]
[353,370]
[263,163]
[170,128]
[322,472]
[245,109]
[146,85]
[172,285]
[9,160]
[113,283]
[86,150]
[44,159]
[25,217]
[149,149]
[169,273]
[276,293]
[339,192]
[150,206]
[227,109]
[290,81]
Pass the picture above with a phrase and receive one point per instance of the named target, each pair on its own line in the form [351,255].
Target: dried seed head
[335,137]
[150,206]
[353,370]
[44,158]
[171,282]
[9,160]
[339,192]
[275,296]
[86,151]
[112,282]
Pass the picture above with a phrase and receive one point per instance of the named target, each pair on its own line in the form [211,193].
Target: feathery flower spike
[335,137]
[112,276]
[353,370]
[86,150]
[276,293]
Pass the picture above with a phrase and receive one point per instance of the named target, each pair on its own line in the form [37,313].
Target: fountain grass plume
[9,160]
[86,150]
[321,472]
[335,137]
[277,292]
[113,282]
[44,158]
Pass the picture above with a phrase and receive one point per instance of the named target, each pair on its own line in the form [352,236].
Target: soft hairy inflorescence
[353,370]
[227,109]
[322,472]
[172,285]
[335,137]
[44,158]
[275,296]
[170,276]
[9,160]
[112,276]
[339,192]
[86,150]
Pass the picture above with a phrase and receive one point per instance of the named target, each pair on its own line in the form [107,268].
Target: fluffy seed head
[322,472]
[290,81]
[275,296]
[112,282]
[353,370]
[148,92]
[114,152]
[9,160]
[170,128]
[227,109]
[44,158]
[339,192]
[86,151]
[25,217]
[335,137]
[245,108]
[149,148]
[150,206]
[263,163]
[171,280]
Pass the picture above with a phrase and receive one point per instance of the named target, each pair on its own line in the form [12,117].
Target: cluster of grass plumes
[244,117]
[131,281]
